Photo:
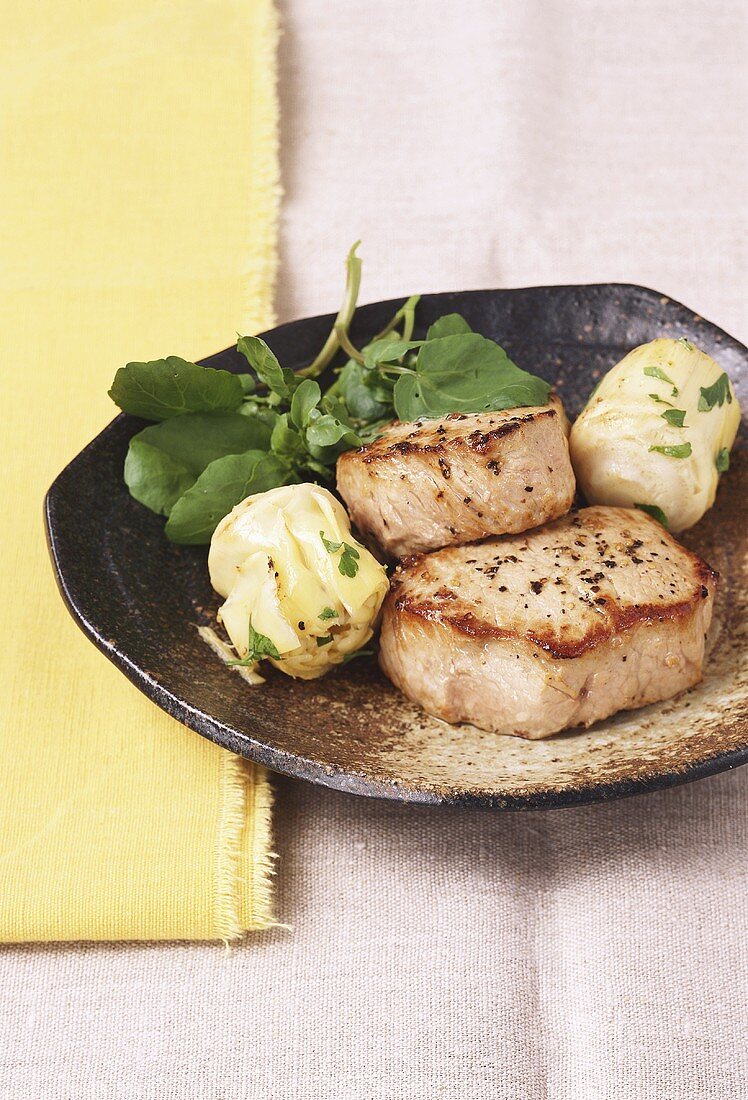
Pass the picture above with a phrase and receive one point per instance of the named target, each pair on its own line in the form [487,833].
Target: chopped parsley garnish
[722,461]
[682,450]
[327,613]
[654,511]
[660,400]
[674,417]
[324,641]
[258,647]
[330,547]
[657,372]
[716,394]
[348,563]
[357,653]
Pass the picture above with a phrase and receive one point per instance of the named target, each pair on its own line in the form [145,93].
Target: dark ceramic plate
[139,598]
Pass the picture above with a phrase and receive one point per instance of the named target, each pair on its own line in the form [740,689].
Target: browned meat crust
[598,612]
[444,482]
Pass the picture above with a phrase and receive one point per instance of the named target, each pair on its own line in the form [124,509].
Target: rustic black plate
[139,598]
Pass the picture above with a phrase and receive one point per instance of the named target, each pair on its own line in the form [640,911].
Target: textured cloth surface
[583,954]
[118,242]
[592,954]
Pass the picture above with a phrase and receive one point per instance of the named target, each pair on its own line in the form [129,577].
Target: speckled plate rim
[298,766]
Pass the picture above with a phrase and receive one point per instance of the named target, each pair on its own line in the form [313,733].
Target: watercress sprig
[220,436]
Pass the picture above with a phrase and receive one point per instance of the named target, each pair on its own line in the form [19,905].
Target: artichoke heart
[656,433]
[299,590]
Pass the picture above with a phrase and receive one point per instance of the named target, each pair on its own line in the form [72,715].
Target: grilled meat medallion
[434,483]
[598,612]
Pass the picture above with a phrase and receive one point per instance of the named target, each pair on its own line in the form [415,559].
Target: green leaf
[382,388]
[328,430]
[355,385]
[373,430]
[674,417]
[660,400]
[171,387]
[465,373]
[306,398]
[333,406]
[657,372]
[164,460]
[261,413]
[249,384]
[722,461]
[413,399]
[682,450]
[348,563]
[223,484]
[154,478]
[716,394]
[388,350]
[324,641]
[471,369]
[451,324]
[263,361]
[258,647]
[654,511]
[327,613]
[286,440]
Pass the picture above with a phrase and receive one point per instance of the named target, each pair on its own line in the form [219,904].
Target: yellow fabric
[138,202]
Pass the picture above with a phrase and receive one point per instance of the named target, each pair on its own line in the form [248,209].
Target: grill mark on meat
[459,479]
[477,440]
[554,644]
[616,619]
[620,620]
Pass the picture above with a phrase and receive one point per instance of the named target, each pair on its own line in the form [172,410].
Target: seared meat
[599,612]
[443,482]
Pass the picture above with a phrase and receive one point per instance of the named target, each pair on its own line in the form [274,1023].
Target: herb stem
[409,315]
[319,468]
[406,312]
[393,368]
[347,346]
[343,319]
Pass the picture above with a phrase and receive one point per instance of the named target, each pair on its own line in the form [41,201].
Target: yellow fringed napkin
[139,196]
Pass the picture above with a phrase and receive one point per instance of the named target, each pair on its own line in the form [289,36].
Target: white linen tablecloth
[578,954]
